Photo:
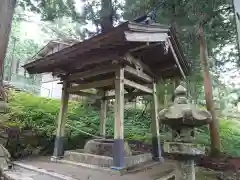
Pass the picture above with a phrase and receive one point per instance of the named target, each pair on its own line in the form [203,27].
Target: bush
[40,115]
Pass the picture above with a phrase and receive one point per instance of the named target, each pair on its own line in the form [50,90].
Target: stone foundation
[80,156]
[104,147]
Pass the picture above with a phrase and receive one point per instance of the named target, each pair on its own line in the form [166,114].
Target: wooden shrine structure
[129,59]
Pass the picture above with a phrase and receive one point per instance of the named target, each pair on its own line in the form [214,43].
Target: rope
[89,134]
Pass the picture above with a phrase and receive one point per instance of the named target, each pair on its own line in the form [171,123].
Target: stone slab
[157,171]
[19,173]
[104,161]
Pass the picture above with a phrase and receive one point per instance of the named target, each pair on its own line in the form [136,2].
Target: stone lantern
[183,117]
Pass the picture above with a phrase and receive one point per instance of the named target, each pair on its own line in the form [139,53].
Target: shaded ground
[24,174]
[85,173]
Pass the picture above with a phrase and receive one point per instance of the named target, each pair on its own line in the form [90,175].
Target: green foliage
[50,10]
[40,114]
[229,133]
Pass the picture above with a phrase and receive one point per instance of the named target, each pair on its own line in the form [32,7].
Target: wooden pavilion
[129,59]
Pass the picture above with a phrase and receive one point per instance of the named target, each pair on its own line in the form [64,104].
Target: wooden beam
[103,115]
[82,93]
[145,37]
[139,74]
[59,141]
[138,86]
[118,147]
[155,125]
[128,95]
[119,105]
[95,84]
[93,72]
[63,110]
[176,58]
[138,63]
[144,46]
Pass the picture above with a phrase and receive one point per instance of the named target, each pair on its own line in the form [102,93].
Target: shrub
[40,115]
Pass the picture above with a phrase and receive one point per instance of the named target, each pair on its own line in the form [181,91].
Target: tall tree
[106,15]
[214,125]
[6,15]
[219,31]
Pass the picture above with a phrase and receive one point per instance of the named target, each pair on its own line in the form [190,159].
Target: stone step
[78,157]
[22,171]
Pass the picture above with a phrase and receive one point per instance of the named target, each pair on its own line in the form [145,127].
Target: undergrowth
[40,114]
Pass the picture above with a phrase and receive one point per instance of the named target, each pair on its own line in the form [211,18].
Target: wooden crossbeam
[127,95]
[138,86]
[82,93]
[95,84]
[145,37]
[138,62]
[93,72]
[139,74]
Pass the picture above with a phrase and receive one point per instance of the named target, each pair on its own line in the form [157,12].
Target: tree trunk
[106,15]
[214,125]
[6,15]
[106,25]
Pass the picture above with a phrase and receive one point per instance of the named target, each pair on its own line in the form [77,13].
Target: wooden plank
[103,115]
[138,62]
[138,74]
[145,37]
[138,86]
[93,72]
[176,58]
[95,84]
[119,105]
[148,28]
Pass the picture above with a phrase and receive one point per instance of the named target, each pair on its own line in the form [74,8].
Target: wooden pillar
[156,147]
[59,141]
[118,149]
[103,115]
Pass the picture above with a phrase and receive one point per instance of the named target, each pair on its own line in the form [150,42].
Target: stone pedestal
[188,170]
[104,147]
[183,118]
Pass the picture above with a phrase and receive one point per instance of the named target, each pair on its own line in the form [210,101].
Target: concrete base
[118,153]
[104,161]
[59,147]
[156,149]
